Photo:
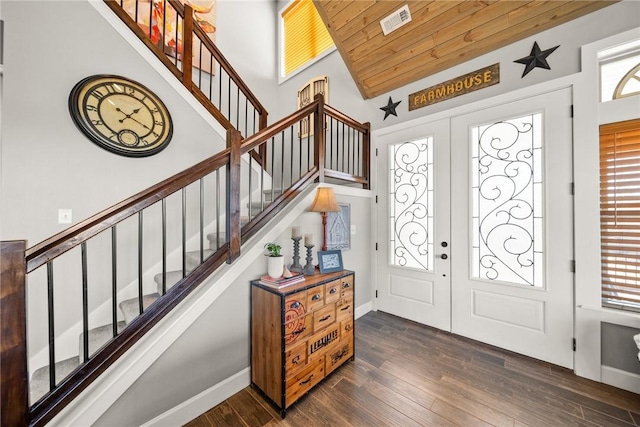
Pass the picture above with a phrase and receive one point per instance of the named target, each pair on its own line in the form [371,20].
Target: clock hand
[128,116]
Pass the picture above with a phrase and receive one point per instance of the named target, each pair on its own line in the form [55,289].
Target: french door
[486,252]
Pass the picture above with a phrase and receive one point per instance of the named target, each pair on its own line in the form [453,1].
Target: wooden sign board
[473,81]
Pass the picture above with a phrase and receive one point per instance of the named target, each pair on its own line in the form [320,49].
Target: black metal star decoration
[537,58]
[390,108]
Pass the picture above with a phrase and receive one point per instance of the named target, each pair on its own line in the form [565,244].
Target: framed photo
[339,228]
[330,261]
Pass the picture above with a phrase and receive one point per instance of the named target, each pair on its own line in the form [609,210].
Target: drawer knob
[295,304]
[295,360]
[333,290]
[327,317]
[347,328]
[299,331]
[346,285]
[316,297]
[345,308]
[307,380]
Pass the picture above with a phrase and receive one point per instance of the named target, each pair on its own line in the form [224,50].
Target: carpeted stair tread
[173,277]
[97,338]
[130,308]
[39,384]
[212,240]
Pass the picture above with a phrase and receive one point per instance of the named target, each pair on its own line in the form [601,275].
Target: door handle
[444,256]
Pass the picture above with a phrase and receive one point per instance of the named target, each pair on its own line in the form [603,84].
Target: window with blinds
[620,214]
[305,36]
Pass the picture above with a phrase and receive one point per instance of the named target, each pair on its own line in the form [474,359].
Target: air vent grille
[396,20]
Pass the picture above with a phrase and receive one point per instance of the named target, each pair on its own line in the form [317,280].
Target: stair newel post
[366,158]
[234,141]
[187,47]
[319,137]
[14,398]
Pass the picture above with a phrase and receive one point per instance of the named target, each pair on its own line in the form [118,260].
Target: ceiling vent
[396,20]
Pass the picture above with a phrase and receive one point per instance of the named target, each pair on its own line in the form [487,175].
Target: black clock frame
[103,142]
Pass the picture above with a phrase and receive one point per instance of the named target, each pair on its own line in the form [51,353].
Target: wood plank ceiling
[441,34]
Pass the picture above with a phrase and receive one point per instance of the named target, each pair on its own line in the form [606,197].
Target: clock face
[120,115]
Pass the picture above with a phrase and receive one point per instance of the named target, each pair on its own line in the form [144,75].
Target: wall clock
[120,115]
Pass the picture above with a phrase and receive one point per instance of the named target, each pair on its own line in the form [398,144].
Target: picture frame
[339,228]
[330,261]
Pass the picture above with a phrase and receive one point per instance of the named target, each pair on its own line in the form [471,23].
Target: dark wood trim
[234,141]
[329,173]
[14,375]
[51,404]
[261,137]
[366,156]
[187,46]
[47,250]
[340,116]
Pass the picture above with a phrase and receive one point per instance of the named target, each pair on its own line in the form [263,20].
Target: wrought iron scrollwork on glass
[411,204]
[507,201]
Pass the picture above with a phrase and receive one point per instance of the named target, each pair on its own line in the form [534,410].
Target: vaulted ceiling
[441,34]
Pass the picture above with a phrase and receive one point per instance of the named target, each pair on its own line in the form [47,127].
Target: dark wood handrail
[58,244]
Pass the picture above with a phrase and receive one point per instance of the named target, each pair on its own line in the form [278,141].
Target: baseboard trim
[363,309]
[621,379]
[201,403]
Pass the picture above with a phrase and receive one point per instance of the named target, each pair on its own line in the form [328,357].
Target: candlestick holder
[309,268]
[296,267]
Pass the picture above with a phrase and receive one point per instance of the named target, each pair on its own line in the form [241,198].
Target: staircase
[237,192]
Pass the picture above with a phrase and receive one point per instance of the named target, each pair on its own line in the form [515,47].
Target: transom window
[620,72]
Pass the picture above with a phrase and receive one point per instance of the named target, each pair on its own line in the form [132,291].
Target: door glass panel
[507,220]
[411,204]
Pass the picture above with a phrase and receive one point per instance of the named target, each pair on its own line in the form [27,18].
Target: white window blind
[620,214]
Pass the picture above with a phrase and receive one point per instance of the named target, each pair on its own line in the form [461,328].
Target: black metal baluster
[52,336]
[85,303]
[238,108]
[140,302]
[164,246]
[211,65]
[357,167]
[343,144]
[246,115]
[291,163]
[348,147]
[218,209]
[282,162]
[175,53]
[229,98]
[200,66]
[261,186]
[114,280]
[329,162]
[250,187]
[201,220]
[184,231]
[293,127]
[220,89]
[273,155]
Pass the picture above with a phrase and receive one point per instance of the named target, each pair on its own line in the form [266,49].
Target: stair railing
[207,197]
[169,30]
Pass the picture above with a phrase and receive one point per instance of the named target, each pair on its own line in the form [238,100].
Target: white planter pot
[275,266]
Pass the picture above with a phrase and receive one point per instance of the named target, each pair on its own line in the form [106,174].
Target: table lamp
[324,202]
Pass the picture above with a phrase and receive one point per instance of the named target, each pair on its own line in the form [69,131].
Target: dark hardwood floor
[406,374]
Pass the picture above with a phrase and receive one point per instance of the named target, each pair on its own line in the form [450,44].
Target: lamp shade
[325,201]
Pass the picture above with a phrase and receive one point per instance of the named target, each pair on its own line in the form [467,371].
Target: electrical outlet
[64,216]
[353,230]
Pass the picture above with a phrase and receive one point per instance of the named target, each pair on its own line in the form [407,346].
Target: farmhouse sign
[473,81]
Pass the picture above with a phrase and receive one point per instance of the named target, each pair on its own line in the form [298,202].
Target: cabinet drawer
[298,329]
[346,328]
[304,381]
[295,305]
[338,355]
[344,309]
[332,291]
[346,286]
[324,317]
[315,298]
[295,359]
[320,343]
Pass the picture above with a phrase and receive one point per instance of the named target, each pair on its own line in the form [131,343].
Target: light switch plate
[64,216]
[353,230]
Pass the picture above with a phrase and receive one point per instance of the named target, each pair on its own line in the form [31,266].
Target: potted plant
[275,260]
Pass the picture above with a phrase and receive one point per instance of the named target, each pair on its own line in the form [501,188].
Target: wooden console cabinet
[300,334]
